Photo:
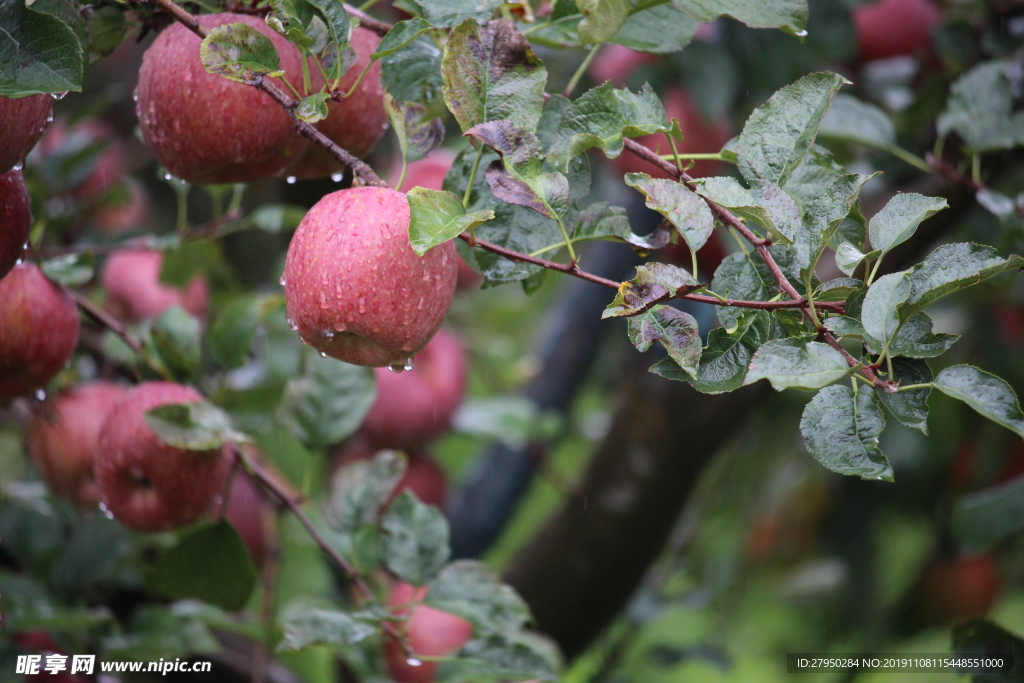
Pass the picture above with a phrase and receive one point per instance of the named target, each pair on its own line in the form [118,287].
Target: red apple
[245,512]
[65,141]
[427,631]
[423,476]
[204,128]
[15,219]
[22,121]
[892,28]
[415,407]
[959,587]
[354,288]
[149,485]
[357,123]
[699,137]
[38,331]
[62,438]
[134,291]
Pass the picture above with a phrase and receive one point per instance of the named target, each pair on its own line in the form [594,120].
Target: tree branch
[105,319]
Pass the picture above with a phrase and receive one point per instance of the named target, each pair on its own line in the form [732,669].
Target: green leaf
[980,638]
[983,519]
[602,19]
[740,277]
[210,563]
[849,257]
[70,270]
[681,206]
[413,73]
[600,220]
[361,489]
[513,420]
[230,337]
[294,19]
[839,289]
[601,117]
[898,220]
[198,426]
[436,216]
[415,542]
[880,313]
[660,29]
[790,15]
[313,108]
[766,204]
[107,29]
[815,174]
[472,590]
[503,659]
[313,626]
[240,53]
[916,339]
[402,34]
[778,134]
[981,109]
[797,363]
[856,121]
[841,431]
[675,330]
[339,28]
[909,407]
[418,135]
[491,73]
[276,218]
[39,53]
[823,218]
[953,267]
[654,283]
[328,402]
[173,343]
[453,12]
[991,396]
[156,632]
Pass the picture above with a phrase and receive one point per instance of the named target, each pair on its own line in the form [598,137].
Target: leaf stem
[472,177]
[366,70]
[914,387]
[909,157]
[695,157]
[582,69]
[568,241]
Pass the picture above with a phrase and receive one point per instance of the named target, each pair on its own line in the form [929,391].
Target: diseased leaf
[687,212]
[841,431]
[39,53]
[675,330]
[601,117]
[491,73]
[474,592]
[654,283]
[240,53]
[436,217]
[797,363]
[778,134]
[880,312]
[313,108]
[991,396]
[856,121]
[953,267]
[415,542]
[417,136]
[898,220]
[198,426]
[909,407]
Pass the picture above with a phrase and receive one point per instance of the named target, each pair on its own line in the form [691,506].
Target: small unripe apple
[145,483]
[699,137]
[355,124]
[893,28]
[415,407]
[22,121]
[204,128]
[39,329]
[423,476]
[65,141]
[354,288]
[62,438]
[131,278]
[427,632]
[15,219]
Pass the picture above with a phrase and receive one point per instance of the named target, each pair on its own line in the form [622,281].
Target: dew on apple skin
[40,395]
[292,324]
[281,281]
[412,661]
[18,166]
[402,367]
[291,180]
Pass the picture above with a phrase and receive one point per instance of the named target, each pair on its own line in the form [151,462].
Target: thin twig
[105,319]
[360,168]
[366,21]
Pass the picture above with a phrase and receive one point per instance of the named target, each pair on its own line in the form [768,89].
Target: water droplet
[49,119]
[168,177]
[801,34]
[328,334]
[19,261]
[182,181]
[385,126]
[58,95]
[40,394]
[405,366]
[323,354]
[292,324]
[412,661]
[291,180]
[106,511]
[18,166]
[336,177]
[282,281]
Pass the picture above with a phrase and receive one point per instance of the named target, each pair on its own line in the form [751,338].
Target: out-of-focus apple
[427,631]
[64,142]
[245,512]
[22,121]
[131,278]
[15,219]
[125,210]
[893,28]
[62,437]
[616,63]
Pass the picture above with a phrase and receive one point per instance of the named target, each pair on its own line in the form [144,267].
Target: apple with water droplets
[15,219]
[22,121]
[427,632]
[149,485]
[39,329]
[354,288]
[204,128]
[134,291]
[62,435]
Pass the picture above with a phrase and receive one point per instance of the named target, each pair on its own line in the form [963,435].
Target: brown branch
[947,171]
[366,21]
[360,168]
[761,245]
[105,319]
